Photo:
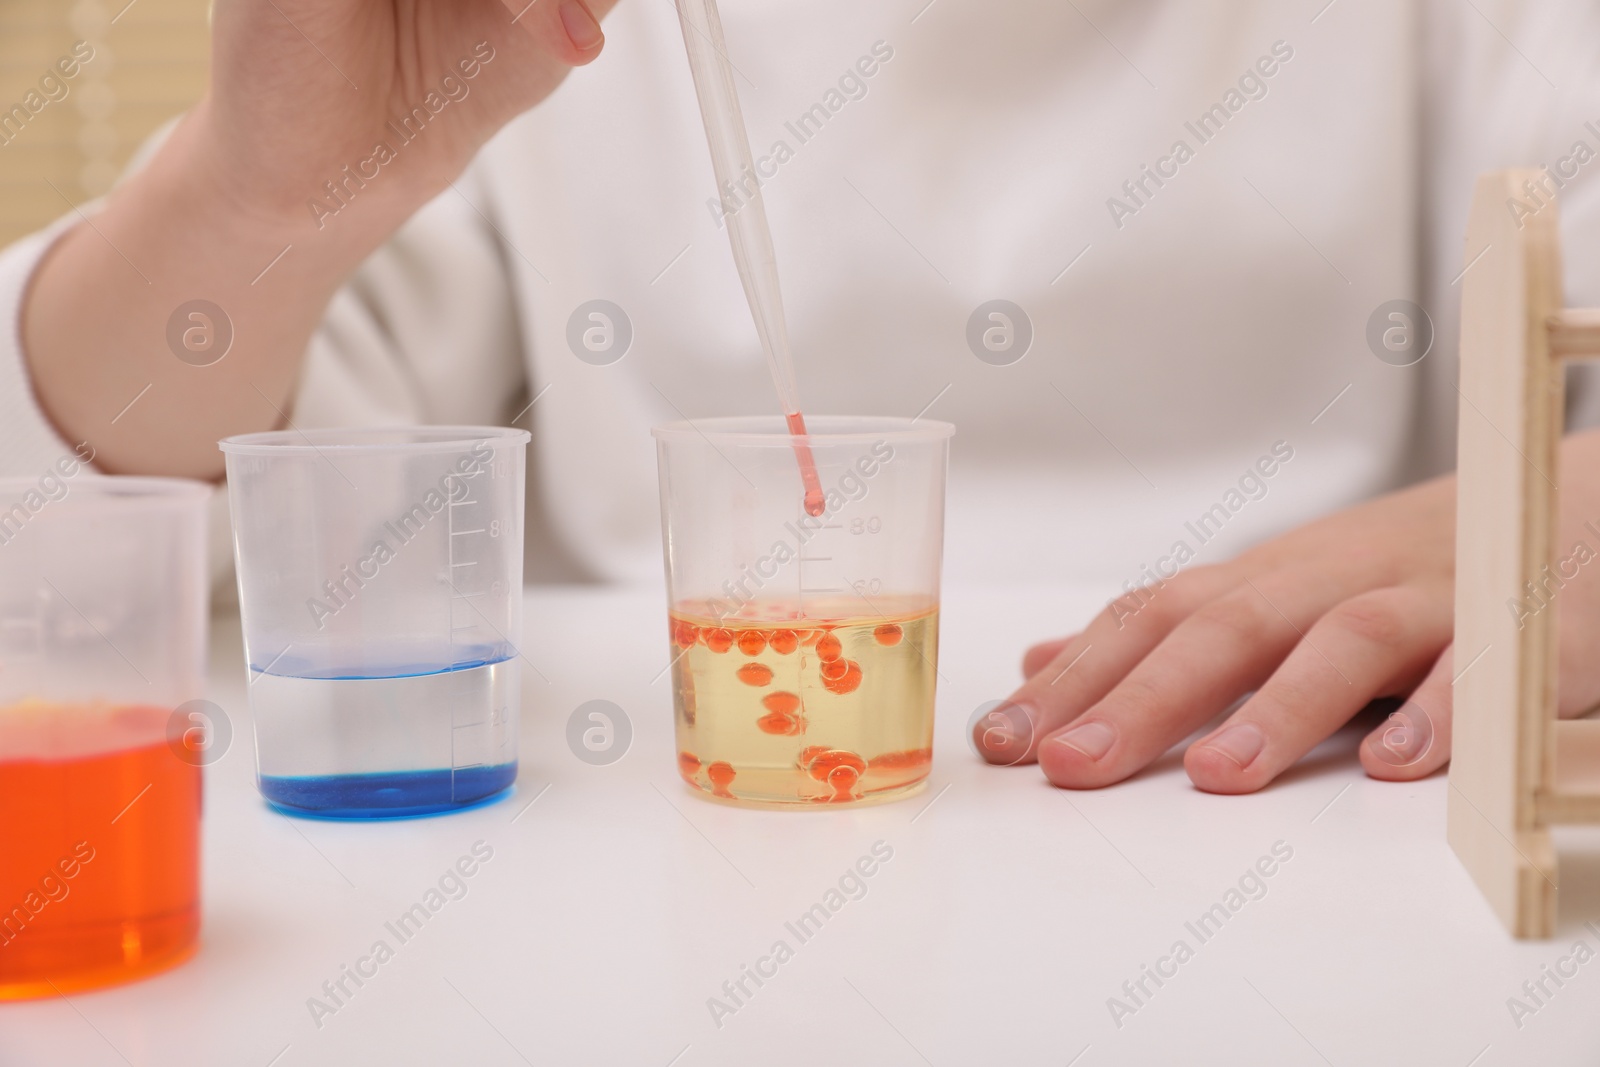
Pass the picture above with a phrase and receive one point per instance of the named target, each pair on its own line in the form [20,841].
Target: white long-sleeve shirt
[1192,308]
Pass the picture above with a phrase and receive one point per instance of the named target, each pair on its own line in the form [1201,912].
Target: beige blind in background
[150,61]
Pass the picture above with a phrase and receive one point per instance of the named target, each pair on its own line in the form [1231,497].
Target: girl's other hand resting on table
[1313,625]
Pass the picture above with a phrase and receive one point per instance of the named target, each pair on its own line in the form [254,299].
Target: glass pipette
[735,171]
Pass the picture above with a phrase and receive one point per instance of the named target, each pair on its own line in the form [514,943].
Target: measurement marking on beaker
[461,503]
[467,596]
[474,563]
[522,655]
[816,559]
[463,533]
[859,587]
[803,589]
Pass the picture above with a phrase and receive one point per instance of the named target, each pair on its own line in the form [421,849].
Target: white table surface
[1010,912]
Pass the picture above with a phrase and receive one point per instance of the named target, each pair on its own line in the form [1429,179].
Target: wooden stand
[1515,770]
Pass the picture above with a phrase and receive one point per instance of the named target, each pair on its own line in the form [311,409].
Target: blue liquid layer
[389,795]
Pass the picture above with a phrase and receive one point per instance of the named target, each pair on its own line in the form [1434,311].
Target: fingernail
[1005,732]
[1093,739]
[581,26]
[1241,743]
[1405,736]
[1008,724]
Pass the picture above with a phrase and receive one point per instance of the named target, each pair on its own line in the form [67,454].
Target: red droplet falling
[816,503]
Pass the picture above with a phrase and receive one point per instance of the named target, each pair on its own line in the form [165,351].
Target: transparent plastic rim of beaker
[756,431]
[120,491]
[376,440]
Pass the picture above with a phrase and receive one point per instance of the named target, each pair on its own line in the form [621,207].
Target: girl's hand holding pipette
[305,88]
[1313,626]
[303,94]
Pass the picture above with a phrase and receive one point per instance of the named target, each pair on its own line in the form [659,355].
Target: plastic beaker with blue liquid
[380,587]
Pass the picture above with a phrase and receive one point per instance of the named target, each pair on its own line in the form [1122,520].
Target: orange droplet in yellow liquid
[847,682]
[721,776]
[843,779]
[840,769]
[784,642]
[718,639]
[784,703]
[828,647]
[782,724]
[755,674]
[887,634]
[809,753]
[752,642]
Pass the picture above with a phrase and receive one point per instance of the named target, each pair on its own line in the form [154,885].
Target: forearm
[96,318]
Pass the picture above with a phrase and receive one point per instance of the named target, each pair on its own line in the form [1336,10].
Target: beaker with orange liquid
[804,646]
[102,639]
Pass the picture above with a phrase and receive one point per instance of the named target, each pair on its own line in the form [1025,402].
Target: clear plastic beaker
[803,647]
[102,639]
[380,585]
